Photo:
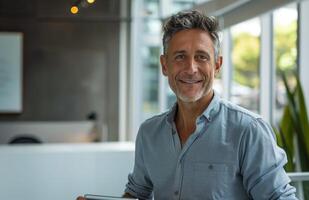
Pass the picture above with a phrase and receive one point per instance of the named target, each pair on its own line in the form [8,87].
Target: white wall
[62,171]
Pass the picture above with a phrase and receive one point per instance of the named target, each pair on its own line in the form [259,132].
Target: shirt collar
[171,114]
[208,113]
[212,108]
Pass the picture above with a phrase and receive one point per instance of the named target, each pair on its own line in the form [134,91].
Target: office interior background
[80,84]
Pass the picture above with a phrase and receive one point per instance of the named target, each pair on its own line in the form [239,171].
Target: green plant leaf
[304,125]
[291,102]
[294,121]
[286,128]
[282,142]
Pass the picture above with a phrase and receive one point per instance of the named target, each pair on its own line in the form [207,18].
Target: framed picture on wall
[11,72]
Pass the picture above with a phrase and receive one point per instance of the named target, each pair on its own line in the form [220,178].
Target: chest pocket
[210,179]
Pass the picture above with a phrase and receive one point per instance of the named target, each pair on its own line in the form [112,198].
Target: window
[150,81]
[179,5]
[245,61]
[285,53]
[149,50]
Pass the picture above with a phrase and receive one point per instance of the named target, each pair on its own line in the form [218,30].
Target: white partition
[50,131]
[64,171]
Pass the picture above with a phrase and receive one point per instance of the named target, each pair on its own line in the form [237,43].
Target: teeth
[190,81]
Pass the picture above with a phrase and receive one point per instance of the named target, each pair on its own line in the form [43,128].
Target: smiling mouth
[190,81]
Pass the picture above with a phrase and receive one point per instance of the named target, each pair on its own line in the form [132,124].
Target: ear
[163,61]
[218,64]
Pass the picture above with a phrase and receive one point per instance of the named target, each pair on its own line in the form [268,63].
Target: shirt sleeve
[139,184]
[261,164]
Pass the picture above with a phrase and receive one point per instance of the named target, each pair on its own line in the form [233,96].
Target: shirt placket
[180,163]
[178,174]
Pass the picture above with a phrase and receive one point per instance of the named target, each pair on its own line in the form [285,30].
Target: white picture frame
[11,60]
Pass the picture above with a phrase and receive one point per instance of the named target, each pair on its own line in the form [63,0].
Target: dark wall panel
[70,63]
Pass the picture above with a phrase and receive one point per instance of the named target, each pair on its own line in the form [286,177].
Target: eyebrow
[203,52]
[179,52]
[198,52]
[206,53]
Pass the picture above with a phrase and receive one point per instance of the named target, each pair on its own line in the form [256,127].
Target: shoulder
[153,130]
[155,121]
[245,122]
[254,133]
[154,125]
[238,115]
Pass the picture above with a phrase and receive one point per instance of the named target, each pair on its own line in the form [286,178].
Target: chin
[189,99]
[194,97]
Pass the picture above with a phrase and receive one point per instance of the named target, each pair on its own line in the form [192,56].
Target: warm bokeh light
[90,1]
[74,9]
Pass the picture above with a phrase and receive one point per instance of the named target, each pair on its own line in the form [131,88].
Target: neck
[188,112]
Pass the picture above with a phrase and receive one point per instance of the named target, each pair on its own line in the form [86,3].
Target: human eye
[179,57]
[202,57]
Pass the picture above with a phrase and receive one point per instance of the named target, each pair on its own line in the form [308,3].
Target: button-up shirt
[232,154]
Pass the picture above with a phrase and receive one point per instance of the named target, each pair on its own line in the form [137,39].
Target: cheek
[206,71]
[209,70]
[172,84]
[173,72]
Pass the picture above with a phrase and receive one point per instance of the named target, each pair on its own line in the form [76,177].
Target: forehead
[191,39]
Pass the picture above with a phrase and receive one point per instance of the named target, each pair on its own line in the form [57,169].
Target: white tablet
[103,197]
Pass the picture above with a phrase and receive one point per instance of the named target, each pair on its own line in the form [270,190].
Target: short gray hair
[191,20]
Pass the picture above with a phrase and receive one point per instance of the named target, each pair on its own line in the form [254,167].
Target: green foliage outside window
[285,47]
[246,53]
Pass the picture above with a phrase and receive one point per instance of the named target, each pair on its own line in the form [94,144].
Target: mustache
[189,77]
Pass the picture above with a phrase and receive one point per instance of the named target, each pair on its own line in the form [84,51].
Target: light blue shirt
[232,154]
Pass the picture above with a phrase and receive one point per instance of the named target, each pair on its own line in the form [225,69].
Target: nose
[191,66]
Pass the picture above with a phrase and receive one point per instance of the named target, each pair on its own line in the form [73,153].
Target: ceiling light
[90,1]
[74,9]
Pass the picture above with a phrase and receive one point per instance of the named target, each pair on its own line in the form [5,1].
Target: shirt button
[176,193]
[210,166]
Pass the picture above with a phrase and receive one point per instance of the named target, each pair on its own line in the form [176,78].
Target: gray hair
[191,20]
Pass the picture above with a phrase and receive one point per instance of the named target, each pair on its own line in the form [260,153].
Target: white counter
[64,171]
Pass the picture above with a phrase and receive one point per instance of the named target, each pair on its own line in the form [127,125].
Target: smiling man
[190,64]
[204,147]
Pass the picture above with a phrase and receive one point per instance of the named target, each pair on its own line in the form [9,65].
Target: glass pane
[245,61]
[151,8]
[150,81]
[152,26]
[181,5]
[285,52]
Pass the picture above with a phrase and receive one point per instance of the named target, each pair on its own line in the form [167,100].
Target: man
[204,147]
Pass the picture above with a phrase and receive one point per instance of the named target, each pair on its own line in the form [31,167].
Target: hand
[126,195]
[80,198]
